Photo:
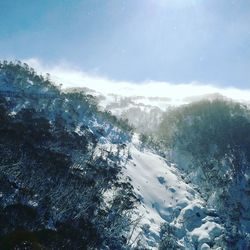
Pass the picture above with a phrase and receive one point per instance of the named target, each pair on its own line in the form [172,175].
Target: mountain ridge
[84,179]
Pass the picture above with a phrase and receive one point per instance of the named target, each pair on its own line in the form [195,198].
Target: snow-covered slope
[172,213]
[166,197]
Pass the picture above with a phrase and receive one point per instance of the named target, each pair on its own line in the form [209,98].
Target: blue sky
[177,41]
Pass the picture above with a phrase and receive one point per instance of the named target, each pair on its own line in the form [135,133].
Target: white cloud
[70,77]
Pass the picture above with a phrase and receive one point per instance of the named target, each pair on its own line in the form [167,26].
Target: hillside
[73,176]
[210,142]
[59,157]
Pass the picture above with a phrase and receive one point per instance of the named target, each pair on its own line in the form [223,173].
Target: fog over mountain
[142,104]
[176,93]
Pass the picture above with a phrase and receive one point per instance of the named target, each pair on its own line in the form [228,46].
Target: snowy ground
[165,197]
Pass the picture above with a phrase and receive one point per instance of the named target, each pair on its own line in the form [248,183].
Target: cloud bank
[68,76]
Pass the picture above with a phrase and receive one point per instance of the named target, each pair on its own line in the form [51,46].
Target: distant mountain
[144,113]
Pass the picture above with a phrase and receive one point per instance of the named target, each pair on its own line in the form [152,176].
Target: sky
[206,42]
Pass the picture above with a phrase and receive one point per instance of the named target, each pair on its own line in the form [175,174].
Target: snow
[165,197]
[205,246]
[146,170]
[33,203]
[207,232]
